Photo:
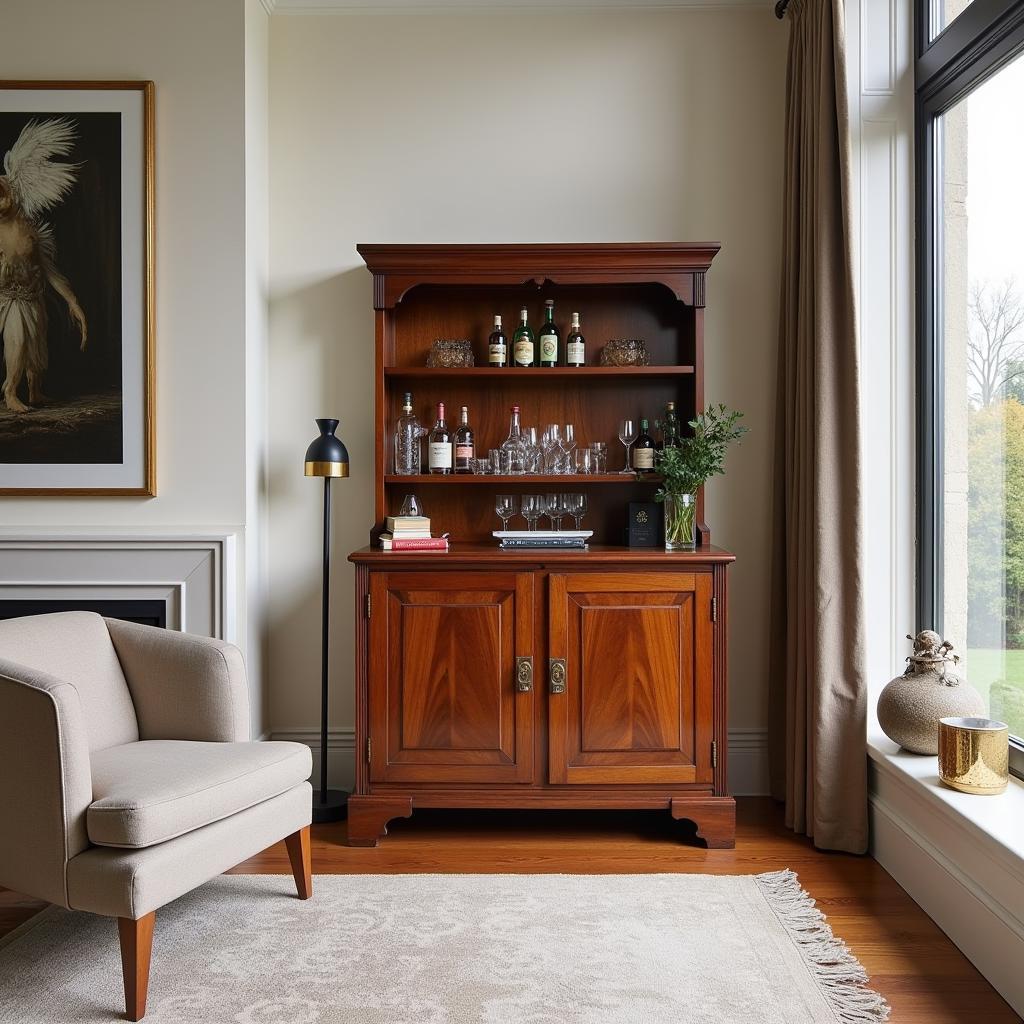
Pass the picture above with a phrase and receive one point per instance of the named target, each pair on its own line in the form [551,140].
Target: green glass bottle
[643,450]
[548,336]
[522,342]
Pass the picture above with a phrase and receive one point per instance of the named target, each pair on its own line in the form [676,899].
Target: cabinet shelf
[536,374]
[541,482]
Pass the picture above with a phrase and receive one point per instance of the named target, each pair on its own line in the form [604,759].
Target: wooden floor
[911,962]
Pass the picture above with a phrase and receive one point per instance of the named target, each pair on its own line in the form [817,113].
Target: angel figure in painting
[33,183]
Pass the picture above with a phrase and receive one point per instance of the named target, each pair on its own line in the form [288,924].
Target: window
[970,91]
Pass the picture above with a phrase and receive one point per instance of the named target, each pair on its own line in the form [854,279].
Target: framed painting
[76,288]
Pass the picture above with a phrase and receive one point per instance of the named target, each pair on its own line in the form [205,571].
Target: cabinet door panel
[444,706]
[637,703]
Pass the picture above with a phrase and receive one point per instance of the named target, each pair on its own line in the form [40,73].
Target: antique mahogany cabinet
[538,679]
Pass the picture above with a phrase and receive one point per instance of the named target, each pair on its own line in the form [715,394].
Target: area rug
[456,949]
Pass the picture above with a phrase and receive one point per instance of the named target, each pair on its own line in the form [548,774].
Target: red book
[419,544]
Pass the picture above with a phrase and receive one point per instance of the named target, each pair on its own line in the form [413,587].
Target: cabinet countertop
[597,554]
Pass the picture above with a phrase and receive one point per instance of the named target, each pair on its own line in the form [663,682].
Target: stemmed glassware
[555,509]
[566,446]
[533,450]
[506,505]
[627,435]
[577,507]
[551,446]
[551,508]
[532,509]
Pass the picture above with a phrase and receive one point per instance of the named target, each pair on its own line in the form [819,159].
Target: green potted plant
[687,465]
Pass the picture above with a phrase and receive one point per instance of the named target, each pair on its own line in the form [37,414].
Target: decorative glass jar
[680,522]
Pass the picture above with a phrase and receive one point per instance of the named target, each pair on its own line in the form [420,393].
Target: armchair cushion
[75,648]
[147,792]
[184,687]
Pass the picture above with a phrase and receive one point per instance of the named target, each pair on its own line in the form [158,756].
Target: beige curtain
[818,696]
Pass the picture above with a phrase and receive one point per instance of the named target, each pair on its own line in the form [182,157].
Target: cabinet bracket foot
[714,816]
[368,817]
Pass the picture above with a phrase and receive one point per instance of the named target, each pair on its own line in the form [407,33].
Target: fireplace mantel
[193,575]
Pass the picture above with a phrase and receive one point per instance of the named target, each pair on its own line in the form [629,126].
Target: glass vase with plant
[687,465]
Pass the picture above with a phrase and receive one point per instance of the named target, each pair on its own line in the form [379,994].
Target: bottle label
[440,455]
[548,348]
[643,458]
[524,351]
[574,352]
[464,451]
[496,353]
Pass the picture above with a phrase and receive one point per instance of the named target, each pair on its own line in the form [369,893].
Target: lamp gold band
[326,469]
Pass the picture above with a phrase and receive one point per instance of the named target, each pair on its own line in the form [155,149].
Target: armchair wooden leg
[302,865]
[136,947]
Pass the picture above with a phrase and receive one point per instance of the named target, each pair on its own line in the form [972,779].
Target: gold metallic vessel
[974,755]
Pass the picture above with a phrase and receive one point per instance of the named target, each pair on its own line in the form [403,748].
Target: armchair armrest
[45,781]
[184,687]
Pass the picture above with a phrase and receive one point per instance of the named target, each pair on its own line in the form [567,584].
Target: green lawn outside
[999,677]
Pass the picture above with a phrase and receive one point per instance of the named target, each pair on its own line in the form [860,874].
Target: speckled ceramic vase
[910,707]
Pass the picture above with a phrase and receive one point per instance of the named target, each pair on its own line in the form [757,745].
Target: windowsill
[997,821]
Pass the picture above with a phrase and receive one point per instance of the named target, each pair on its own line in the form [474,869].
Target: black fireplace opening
[146,613]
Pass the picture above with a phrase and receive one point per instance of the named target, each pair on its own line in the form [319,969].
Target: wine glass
[551,446]
[627,435]
[564,506]
[549,507]
[577,507]
[565,447]
[554,509]
[533,452]
[531,509]
[506,505]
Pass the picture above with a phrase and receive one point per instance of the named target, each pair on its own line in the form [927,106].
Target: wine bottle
[465,448]
[497,345]
[643,450]
[670,429]
[522,342]
[439,445]
[548,336]
[575,345]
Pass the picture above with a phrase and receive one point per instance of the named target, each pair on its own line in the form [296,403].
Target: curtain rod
[780,9]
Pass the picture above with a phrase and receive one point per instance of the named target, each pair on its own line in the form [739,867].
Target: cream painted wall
[257,341]
[195,53]
[514,126]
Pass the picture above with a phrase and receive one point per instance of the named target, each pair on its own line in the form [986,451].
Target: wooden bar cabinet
[538,679]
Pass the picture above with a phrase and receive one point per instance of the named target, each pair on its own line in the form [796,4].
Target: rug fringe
[837,970]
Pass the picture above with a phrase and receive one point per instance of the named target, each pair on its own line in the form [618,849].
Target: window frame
[986,36]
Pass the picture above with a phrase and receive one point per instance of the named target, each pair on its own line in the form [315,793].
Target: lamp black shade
[327,455]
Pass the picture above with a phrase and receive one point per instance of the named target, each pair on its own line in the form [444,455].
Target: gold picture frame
[96,351]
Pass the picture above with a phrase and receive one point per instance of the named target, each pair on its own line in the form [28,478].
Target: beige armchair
[126,778]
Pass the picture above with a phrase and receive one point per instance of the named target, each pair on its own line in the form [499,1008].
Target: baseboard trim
[748,757]
[968,895]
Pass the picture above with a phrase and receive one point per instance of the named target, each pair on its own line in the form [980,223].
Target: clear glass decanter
[408,440]
[516,445]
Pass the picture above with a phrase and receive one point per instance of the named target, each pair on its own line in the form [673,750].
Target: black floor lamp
[326,457]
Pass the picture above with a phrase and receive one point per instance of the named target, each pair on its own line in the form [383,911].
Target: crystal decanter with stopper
[515,445]
[408,440]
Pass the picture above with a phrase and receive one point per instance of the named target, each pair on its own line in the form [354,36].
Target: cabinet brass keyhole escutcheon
[556,675]
[524,674]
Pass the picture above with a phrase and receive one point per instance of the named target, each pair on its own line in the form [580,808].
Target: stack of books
[571,539]
[411,533]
